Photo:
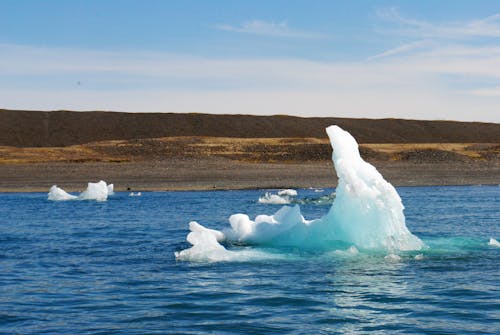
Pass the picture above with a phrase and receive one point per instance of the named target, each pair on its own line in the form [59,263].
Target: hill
[65,128]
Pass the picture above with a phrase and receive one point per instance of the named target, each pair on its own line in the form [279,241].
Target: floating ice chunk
[274,199]
[95,191]
[493,242]
[132,194]
[206,247]
[268,229]
[288,192]
[284,197]
[111,189]
[58,194]
[419,257]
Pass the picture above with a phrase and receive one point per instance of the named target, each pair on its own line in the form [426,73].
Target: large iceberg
[95,191]
[367,213]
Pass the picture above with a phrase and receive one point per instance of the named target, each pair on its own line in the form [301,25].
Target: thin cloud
[272,29]
[488,27]
[425,84]
[399,50]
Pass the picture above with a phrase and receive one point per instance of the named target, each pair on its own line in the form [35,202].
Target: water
[86,267]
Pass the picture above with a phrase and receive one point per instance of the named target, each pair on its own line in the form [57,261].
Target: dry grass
[241,149]
[394,148]
[77,153]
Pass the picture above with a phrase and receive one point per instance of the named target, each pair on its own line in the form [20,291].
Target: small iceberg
[494,243]
[95,191]
[58,194]
[284,197]
[288,193]
[137,194]
[111,189]
[274,199]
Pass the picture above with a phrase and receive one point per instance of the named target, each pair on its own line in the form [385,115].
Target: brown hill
[64,128]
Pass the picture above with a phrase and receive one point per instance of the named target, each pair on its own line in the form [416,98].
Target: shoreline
[224,174]
[79,190]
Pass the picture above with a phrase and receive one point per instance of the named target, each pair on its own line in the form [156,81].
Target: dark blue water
[85,267]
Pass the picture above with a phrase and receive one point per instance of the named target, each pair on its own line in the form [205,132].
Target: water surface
[91,267]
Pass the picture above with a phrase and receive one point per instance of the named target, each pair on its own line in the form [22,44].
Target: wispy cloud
[488,27]
[401,49]
[464,56]
[272,29]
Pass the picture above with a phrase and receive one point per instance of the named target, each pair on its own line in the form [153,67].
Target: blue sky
[408,59]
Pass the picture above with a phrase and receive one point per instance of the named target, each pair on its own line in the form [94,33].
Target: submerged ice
[95,191]
[367,213]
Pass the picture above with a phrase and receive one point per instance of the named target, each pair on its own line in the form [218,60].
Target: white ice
[111,189]
[58,194]
[494,243]
[206,247]
[367,213]
[95,191]
[288,192]
[284,197]
[274,199]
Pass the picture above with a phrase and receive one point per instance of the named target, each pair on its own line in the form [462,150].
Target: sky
[436,60]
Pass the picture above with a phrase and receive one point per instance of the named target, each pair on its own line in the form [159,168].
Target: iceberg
[111,189]
[367,214]
[95,191]
[494,243]
[283,197]
[288,192]
[58,194]
[206,247]
[274,199]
